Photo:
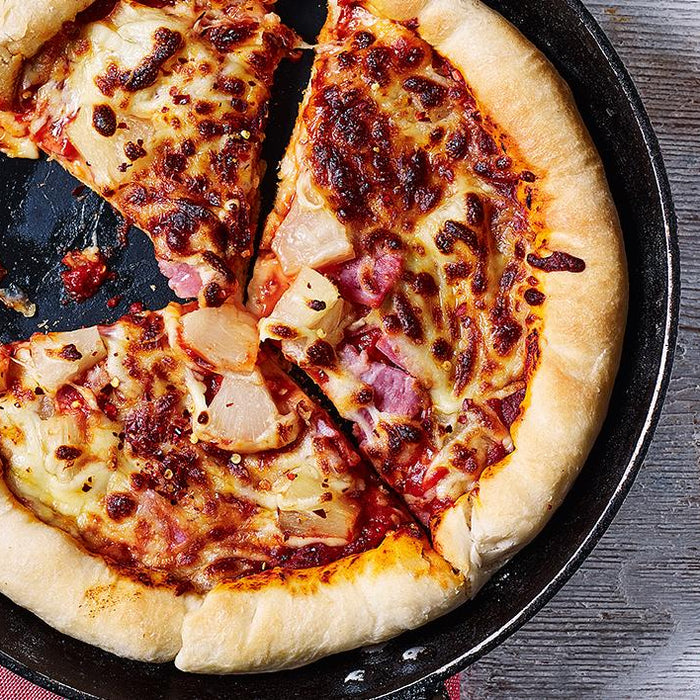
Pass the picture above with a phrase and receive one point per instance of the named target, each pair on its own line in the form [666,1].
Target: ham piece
[183,279]
[395,391]
[368,280]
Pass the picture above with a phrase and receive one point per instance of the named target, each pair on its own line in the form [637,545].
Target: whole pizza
[443,260]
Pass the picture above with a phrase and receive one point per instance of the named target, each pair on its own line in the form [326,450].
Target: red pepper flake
[114,301]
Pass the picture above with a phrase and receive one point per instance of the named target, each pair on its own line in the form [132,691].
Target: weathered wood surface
[628,623]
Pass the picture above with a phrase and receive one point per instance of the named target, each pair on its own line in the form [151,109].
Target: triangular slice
[445,260]
[169,491]
[159,107]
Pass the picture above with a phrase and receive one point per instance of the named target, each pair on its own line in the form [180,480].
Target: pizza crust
[359,600]
[278,619]
[584,314]
[24,28]
[47,572]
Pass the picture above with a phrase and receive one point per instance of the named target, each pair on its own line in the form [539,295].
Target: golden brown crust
[584,315]
[358,600]
[273,620]
[47,572]
[24,28]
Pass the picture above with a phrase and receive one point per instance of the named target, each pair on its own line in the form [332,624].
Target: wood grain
[628,623]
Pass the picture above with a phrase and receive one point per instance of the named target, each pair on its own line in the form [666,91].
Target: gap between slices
[162,110]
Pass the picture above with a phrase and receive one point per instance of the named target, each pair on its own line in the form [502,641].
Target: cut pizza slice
[445,260]
[169,491]
[159,107]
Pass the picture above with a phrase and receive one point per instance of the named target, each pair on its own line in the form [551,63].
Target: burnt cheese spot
[506,333]
[457,271]
[282,331]
[452,232]
[441,350]
[67,452]
[226,37]
[424,285]
[465,364]
[70,353]
[104,120]
[510,407]
[430,93]
[408,318]
[363,40]
[134,151]
[557,262]
[214,294]
[534,297]
[457,145]
[321,354]
[120,506]
[145,74]
[178,225]
[231,85]
[475,210]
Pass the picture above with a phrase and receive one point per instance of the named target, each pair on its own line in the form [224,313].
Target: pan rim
[671,302]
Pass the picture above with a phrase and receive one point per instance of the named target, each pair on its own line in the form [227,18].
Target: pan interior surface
[42,217]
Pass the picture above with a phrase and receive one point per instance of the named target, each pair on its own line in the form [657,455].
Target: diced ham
[389,349]
[395,391]
[368,280]
[183,279]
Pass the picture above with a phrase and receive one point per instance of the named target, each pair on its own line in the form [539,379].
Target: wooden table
[628,623]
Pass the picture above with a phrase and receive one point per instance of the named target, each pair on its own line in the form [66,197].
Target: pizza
[214,487]
[443,260]
[161,108]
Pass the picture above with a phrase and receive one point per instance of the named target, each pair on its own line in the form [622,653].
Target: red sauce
[53,139]
[87,271]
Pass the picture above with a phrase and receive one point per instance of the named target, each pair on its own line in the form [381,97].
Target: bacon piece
[183,279]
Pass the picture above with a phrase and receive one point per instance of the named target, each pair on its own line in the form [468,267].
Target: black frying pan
[40,219]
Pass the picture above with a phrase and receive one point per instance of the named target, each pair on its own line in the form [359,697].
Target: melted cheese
[166,121]
[394,147]
[134,457]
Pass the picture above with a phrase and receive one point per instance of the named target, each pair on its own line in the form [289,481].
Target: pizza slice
[161,108]
[169,491]
[445,260]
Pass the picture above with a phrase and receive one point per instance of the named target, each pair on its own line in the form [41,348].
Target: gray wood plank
[628,623]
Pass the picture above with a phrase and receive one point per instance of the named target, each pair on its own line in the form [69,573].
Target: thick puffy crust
[265,622]
[24,28]
[359,600]
[45,571]
[584,315]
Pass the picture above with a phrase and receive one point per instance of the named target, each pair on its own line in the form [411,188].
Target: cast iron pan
[41,218]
